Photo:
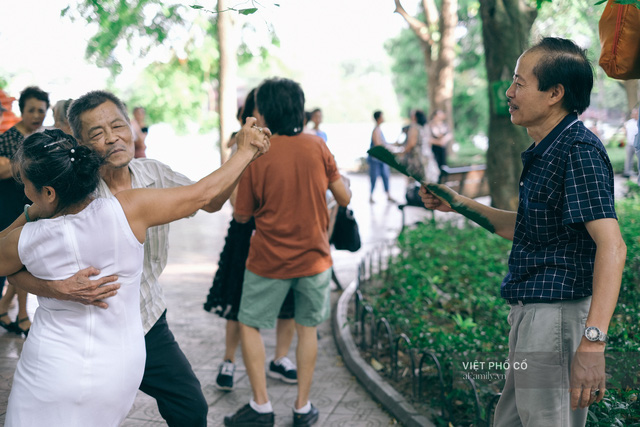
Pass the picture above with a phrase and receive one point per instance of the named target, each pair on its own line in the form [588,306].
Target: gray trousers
[542,342]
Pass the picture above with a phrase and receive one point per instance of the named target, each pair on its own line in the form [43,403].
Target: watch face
[592,333]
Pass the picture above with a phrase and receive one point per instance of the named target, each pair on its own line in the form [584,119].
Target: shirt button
[521,184]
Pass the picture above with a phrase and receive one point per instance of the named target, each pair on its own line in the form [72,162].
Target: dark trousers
[169,379]
[440,153]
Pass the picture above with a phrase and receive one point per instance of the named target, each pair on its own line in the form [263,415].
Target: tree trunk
[443,91]
[227,86]
[506,25]
[439,52]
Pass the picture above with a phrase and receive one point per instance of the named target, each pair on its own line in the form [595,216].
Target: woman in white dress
[82,365]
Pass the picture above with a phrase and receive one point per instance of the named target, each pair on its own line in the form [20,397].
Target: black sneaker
[247,417]
[224,381]
[284,370]
[308,419]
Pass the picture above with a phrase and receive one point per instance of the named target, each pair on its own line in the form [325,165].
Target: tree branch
[418,27]
[431,13]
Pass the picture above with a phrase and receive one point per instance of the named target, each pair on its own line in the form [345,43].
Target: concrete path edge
[386,395]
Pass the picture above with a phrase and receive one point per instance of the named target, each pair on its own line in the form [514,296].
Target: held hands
[253,138]
[587,383]
[81,288]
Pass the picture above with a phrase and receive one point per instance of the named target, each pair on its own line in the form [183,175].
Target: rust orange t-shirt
[285,190]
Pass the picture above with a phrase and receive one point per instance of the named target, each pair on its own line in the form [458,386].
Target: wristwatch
[594,334]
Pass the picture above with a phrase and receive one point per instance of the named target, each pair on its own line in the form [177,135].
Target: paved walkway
[195,246]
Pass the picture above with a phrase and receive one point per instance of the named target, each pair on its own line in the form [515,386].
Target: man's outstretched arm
[498,221]
[78,288]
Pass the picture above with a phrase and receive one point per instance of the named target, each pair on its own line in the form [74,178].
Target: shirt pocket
[540,221]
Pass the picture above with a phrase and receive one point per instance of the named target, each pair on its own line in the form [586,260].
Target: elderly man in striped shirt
[99,119]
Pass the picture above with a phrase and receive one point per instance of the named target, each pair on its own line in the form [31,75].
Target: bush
[443,291]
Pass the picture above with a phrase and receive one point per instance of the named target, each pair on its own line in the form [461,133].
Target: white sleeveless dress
[81,365]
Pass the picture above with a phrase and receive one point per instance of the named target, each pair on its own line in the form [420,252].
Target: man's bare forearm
[607,273]
[27,281]
[77,288]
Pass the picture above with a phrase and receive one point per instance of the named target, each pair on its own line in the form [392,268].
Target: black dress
[12,198]
[226,291]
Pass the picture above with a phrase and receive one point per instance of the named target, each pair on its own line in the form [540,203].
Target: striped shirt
[149,173]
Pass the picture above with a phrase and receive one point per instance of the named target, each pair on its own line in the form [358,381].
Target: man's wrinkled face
[107,130]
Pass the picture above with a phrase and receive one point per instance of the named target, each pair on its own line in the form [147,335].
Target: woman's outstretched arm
[149,207]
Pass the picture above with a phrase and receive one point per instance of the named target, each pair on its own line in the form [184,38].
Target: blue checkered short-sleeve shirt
[567,180]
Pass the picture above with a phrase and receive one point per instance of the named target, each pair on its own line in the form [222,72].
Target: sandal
[7,326]
[18,330]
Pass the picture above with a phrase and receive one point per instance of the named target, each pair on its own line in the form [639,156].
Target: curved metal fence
[375,336]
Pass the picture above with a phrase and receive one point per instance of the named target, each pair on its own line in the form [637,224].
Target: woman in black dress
[33,103]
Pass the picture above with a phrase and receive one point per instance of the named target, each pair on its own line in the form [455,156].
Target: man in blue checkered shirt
[566,262]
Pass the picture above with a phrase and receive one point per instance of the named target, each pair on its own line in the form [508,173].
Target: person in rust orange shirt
[286,194]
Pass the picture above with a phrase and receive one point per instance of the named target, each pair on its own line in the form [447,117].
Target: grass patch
[443,292]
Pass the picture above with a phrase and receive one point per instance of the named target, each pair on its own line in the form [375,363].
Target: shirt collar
[546,142]
[140,176]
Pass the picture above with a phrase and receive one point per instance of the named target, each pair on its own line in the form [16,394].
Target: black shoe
[224,381]
[247,417]
[284,370]
[8,326]
[308,419]
[18,329]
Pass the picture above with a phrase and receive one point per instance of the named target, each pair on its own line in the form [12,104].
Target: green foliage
[617,156]
[123,21]
[470,98]
[467,154]
[446,289]
[409,71]
[243,11]
[443,291]
[621,406]
[172,93]
[574,19]
[179,90]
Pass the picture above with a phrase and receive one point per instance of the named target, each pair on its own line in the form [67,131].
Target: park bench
[470,181]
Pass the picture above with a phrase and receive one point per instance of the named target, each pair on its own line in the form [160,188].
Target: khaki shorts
[263,297]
